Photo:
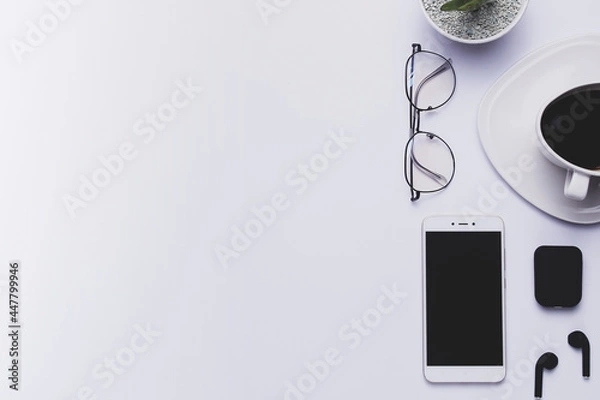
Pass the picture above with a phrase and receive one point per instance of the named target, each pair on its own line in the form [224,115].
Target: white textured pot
[477,41]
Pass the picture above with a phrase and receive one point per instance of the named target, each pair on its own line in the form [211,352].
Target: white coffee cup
[577,179]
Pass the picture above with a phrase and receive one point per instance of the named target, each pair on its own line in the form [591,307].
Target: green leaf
[464,5]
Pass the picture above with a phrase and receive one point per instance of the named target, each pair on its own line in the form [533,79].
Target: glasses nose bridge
[416,120]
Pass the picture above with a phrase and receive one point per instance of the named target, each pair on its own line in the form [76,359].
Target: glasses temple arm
[432,75]
[441,179]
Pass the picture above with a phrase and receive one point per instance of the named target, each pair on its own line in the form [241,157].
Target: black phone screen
[464,307]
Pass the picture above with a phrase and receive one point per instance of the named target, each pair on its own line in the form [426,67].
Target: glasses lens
[428,162]
[430,80]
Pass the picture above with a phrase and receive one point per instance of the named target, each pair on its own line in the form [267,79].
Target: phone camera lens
[473,224]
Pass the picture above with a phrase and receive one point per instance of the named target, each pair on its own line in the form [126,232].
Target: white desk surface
[142,250]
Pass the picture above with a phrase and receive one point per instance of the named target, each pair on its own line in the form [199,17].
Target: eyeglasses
[429,163]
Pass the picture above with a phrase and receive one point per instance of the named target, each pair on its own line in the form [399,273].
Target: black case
[558,276]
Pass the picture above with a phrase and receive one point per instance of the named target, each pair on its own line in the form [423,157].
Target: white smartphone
[464,337]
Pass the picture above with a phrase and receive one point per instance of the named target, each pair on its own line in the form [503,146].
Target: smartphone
[464,337]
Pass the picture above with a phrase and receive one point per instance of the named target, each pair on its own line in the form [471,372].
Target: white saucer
[507,119]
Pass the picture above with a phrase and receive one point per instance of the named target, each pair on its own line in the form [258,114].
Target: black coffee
[571,126]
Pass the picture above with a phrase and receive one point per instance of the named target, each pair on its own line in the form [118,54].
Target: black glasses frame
[415,120]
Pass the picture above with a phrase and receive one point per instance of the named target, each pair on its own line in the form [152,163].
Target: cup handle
[576,185]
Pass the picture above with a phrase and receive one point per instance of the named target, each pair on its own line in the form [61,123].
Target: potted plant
[473,21]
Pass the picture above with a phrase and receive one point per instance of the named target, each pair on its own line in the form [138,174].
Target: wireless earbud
[546,361]
[578,340]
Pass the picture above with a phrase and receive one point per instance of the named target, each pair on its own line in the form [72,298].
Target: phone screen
[464,308]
